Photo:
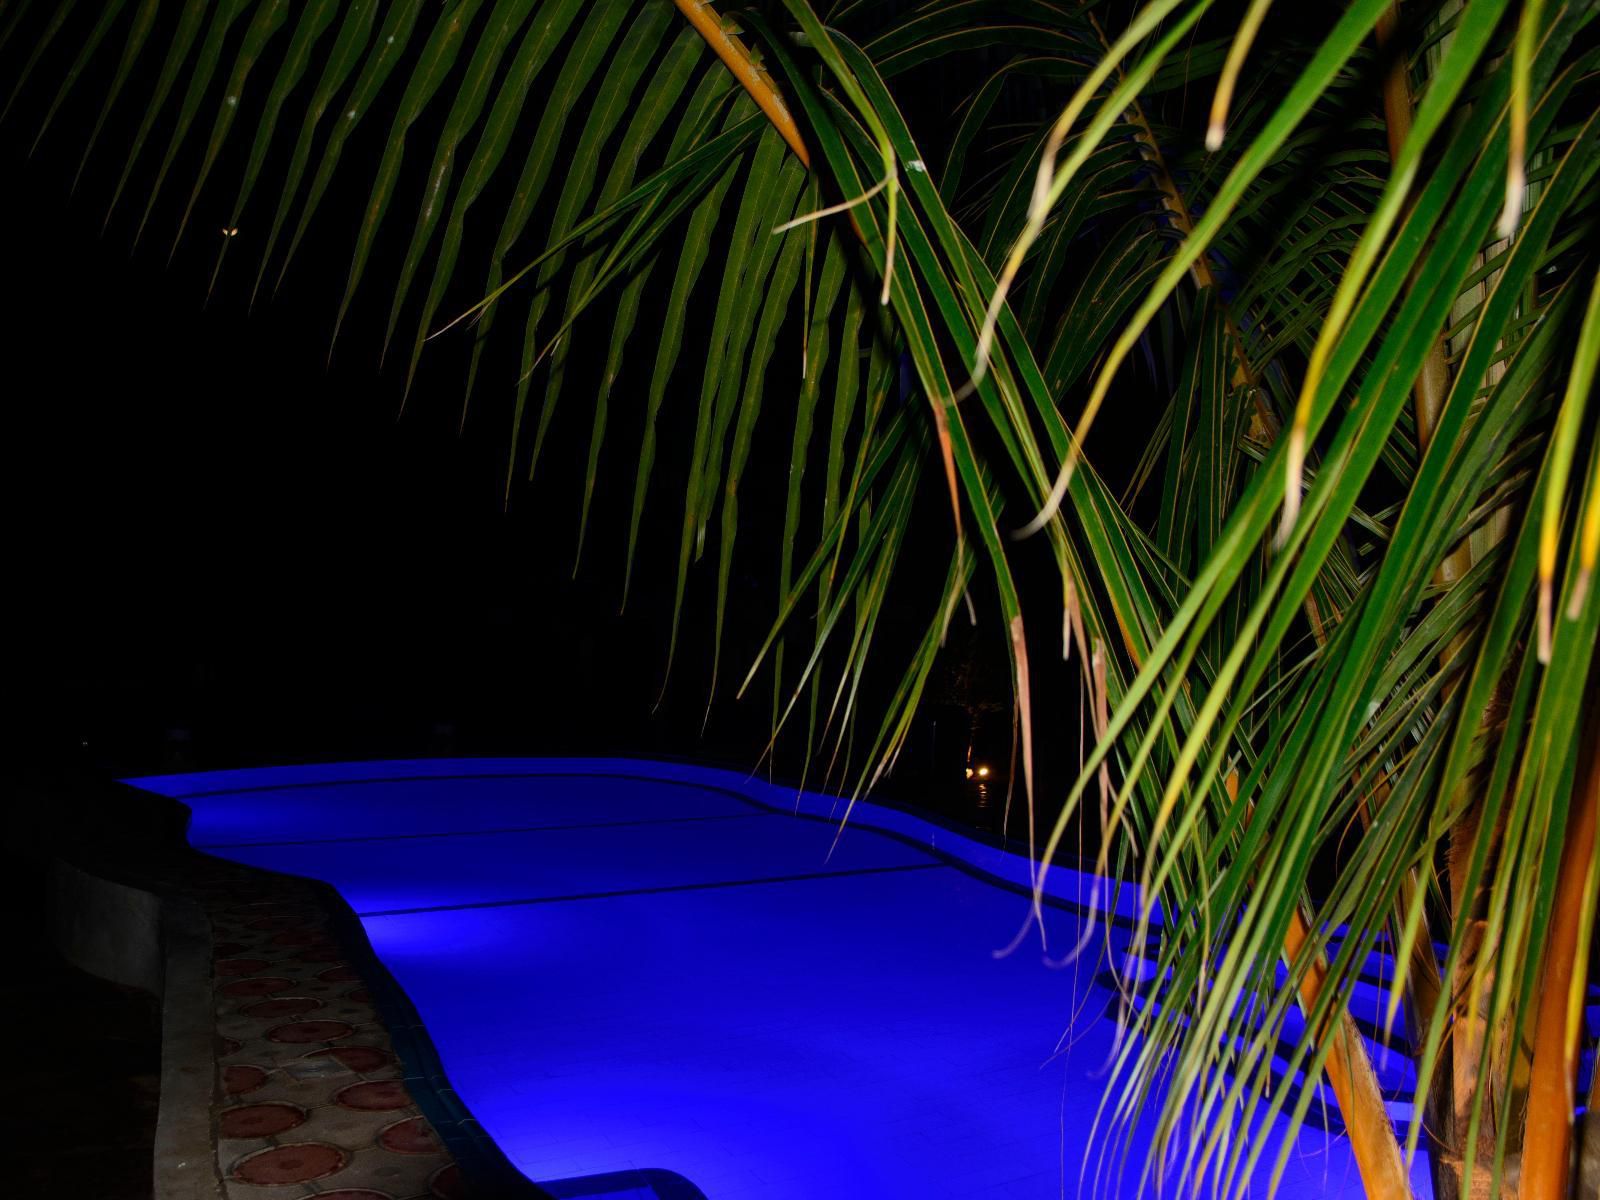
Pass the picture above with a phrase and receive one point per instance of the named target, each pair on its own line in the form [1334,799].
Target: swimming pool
[627,965]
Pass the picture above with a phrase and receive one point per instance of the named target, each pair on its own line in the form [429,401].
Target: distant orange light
[983,772]
[969,772]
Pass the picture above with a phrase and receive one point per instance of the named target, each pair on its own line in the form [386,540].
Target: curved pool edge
[485,1165]
[1068,884]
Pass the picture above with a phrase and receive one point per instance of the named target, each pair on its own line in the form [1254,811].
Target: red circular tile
[236,1081]
[381,1095]
[320,954]
[261,985]
[239,966]
[283,1006]
[360,995]
[227,1046]
[299,1162]
[310,1031]
[260,1120]
[411,1136]
[360,1059]
[354,1194]
[339,975]
[447,1183]
[302,937]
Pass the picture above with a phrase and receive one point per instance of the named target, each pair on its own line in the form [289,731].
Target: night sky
[217,531]
[231,550]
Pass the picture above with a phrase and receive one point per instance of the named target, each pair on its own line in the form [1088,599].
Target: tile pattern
[311,1100]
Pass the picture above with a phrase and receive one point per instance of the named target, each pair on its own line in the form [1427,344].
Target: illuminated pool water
[628,965]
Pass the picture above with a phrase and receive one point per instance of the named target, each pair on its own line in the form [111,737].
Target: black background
[227,547]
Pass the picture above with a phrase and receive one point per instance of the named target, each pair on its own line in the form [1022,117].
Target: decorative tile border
[312,1097]
[293,1066]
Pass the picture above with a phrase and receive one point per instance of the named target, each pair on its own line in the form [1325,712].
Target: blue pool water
[628,965]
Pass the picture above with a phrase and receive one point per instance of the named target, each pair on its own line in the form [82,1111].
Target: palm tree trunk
[1264,424]
[1557,1034]
[1448,1107]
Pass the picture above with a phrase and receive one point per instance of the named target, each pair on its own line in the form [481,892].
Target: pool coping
[132,846]
[488,1170]
[185,1166]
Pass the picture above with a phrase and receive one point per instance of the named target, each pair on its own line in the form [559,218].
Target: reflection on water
[974,801]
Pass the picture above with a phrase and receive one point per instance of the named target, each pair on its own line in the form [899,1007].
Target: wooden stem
[1265,423]
[1557,1035]
[1433,384]
[1355,1085]
[1350,1074]
[1449,1106]
[751,75]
